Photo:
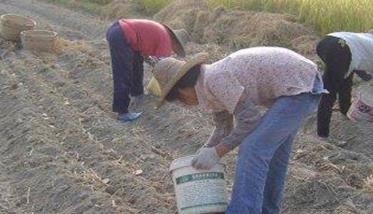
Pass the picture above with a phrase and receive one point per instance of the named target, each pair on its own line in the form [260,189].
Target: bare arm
[152,61]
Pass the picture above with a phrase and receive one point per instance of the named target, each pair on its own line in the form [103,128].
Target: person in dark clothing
[130,40]
[343,54]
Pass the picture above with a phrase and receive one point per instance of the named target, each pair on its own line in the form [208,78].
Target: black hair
[188,80]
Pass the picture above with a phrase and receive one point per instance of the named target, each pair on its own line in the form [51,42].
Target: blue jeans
[264,155]
[127,67]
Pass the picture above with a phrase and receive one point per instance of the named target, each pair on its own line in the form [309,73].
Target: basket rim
[28,33]
[30,22]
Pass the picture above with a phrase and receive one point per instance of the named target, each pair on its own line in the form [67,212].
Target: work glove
[206,158]
[152,61]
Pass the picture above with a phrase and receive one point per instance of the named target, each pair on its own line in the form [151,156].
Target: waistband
[318,85]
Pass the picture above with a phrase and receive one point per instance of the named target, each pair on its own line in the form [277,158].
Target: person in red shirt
[130,40]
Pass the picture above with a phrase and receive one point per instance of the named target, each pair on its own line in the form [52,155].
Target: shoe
[128,117]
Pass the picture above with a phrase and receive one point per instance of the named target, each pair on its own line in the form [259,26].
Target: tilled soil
[62,151]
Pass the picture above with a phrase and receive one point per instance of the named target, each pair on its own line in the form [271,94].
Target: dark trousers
[127,67]
[337,57]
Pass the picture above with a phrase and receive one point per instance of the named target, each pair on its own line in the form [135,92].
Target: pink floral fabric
[259,74]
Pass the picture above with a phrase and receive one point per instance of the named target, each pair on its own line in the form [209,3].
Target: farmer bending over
[131,40]
[344,53]
[277,78]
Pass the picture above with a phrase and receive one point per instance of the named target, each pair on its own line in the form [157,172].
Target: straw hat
[170,70]
[178,41]
[183,36]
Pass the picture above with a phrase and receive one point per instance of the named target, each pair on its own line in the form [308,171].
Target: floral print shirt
[237,84]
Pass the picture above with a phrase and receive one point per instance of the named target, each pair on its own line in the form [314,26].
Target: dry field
[62,151]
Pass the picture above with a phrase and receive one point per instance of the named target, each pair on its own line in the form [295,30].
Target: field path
[65,21]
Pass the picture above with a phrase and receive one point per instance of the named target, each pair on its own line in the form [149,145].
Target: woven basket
[39,40]
[12,25]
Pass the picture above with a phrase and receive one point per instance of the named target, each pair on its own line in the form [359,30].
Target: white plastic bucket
[198,191]
[362,108]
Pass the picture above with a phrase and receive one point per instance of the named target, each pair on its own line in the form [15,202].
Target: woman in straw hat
[131,40]
[344,53]
[285,82]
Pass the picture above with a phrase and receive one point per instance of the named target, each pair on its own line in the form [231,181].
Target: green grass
[100,2]
[149,7]
[93,6]
[326,15]
[153,6]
